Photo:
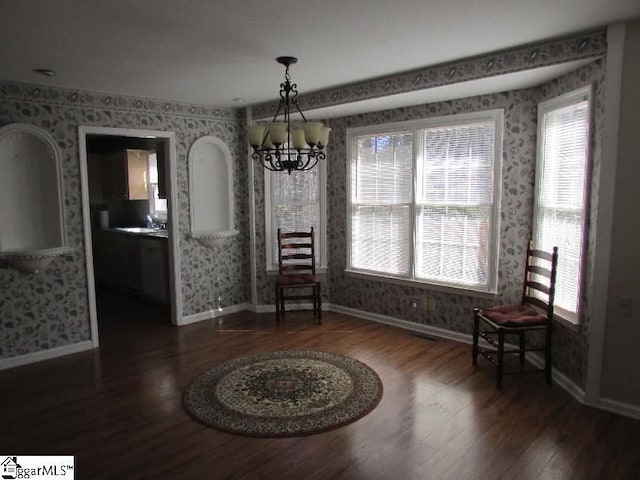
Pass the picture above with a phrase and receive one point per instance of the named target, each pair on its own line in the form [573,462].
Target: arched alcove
[32,230]
[211,191]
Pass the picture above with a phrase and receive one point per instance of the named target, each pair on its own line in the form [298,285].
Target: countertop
[141,231]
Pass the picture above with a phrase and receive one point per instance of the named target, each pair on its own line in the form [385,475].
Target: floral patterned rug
[283,394]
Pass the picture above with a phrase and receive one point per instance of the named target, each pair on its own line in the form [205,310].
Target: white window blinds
[561,190]
[454,203]
[423,200]
[294,205]
[381,197]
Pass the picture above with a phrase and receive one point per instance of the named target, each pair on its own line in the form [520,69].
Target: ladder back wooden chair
[533,313]
[297,270]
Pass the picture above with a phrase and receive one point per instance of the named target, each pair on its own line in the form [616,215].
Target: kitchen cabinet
[153,261]
[117,260]
[131,262]
[125,174]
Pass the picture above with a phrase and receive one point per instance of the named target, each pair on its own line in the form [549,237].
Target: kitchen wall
[50,309]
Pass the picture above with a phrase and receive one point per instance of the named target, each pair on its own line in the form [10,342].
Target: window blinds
[454,203]
[422,201]
[295,205]
[561,190]
[381,197]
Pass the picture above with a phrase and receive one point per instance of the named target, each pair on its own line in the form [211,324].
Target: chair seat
[301,279]
[514,315]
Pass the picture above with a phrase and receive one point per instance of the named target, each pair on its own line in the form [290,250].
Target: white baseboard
[558,377]
[288,307]
[404,324]
[209,314]
[621,408]
[33,357]
[264,309]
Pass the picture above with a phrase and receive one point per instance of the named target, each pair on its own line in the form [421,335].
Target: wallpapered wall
[453,311]
[50,309]
[540,54]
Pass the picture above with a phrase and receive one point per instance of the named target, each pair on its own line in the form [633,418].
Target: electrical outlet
[624,306]
[428,304]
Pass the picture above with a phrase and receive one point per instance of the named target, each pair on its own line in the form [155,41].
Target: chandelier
[277,145]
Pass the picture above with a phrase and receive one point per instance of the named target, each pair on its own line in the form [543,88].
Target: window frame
[153,188]
[271,262]
[497,117]
[544,107]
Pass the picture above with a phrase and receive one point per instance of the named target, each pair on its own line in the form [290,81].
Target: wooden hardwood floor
[119,411]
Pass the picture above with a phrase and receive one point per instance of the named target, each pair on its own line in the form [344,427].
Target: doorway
[129,200]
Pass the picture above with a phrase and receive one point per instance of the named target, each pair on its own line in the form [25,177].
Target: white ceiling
[211,52]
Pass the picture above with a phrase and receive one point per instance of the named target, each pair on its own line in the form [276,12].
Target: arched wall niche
[32,231]
[211,191]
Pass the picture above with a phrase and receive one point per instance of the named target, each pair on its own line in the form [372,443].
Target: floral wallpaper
[50,309]
[577,47]
[452,311]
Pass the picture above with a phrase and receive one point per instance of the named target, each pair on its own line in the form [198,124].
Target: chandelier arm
[311,155]
[260,157]
[266,159]
[294,102]
[278,160]
[302,165]
[277,111]
[315,158]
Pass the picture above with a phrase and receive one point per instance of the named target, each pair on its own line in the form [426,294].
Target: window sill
[272,272]
[469,292]
[568,320]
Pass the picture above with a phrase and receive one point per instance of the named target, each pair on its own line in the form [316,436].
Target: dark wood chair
[533,314]
[297,270]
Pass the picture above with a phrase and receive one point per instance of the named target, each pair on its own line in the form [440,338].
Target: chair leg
[522,343]
[319,301]
[314,294]
[547,354]
[476,333]
[282,302]
[500,359]
[277,305]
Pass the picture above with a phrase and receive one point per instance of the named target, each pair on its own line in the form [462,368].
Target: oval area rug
[283,393]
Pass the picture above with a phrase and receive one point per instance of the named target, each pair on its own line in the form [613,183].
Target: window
[295,202]
[157,206]
[561,186]
[424,198]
